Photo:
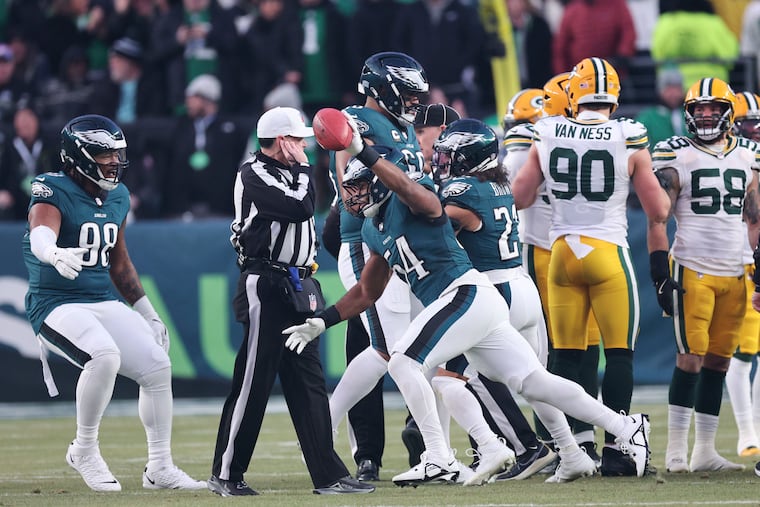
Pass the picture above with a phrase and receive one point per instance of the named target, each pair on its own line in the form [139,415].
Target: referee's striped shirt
[274,212]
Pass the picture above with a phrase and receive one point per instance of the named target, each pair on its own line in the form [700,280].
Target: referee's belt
[257,264]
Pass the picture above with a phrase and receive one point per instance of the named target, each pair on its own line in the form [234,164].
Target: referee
[273,233]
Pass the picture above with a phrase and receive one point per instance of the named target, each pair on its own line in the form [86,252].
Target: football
[332,129]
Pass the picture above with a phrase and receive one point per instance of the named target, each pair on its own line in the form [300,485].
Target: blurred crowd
[187,79]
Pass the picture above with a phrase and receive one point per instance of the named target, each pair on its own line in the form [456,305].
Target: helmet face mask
[397,82]
[465,147]
[555,101]
[96,148]
[709,109]
[366,193]
[749,128]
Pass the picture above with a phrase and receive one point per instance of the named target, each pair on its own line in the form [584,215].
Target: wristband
[144,308]
[658,265]
[368,156]
[330,316]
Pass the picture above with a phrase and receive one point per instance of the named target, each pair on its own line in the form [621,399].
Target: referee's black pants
[262,356]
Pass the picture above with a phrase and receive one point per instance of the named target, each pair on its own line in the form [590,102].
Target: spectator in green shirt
[666,118]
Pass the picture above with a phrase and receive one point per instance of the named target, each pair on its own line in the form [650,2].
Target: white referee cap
[282,121]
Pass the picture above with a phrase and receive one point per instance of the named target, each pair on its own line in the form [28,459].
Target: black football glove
[663,282]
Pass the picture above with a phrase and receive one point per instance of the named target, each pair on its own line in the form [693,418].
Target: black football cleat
[345,485]
[229,488]
[368,471]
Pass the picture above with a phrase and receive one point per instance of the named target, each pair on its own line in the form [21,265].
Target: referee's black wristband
[368,156]
[330,316]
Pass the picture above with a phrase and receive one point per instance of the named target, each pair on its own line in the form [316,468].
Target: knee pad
[399,363]
[443,383]
[156,380]
[105,363]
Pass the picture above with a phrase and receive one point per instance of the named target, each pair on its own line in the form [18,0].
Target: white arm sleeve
[41,238]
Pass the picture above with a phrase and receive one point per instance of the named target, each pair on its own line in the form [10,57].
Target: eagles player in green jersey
[409,234]
[394,85]
[74,249]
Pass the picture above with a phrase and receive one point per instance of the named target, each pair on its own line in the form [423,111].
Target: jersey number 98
[99,243]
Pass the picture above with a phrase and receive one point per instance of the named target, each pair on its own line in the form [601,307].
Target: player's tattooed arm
[668,178]
[123,273]
[751,210]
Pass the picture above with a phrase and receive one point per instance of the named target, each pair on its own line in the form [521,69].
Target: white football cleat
[429,470]
[495,457]
[169,477]
[708,460]
[91,466]
[635,441]
[572,465]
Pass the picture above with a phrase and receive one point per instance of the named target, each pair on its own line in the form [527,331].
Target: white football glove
[67,261]
[302,334]
[357,143]
[160,333]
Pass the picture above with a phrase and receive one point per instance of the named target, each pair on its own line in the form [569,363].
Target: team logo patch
[537,102]
[41,190]
[455,188]
[361,125]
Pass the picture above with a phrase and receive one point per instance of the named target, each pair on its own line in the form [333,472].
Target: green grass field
[33,470]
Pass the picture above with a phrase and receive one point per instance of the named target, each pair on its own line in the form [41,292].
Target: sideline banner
[190,274]
[506,76]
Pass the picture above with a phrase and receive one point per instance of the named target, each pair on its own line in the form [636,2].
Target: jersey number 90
[580,176]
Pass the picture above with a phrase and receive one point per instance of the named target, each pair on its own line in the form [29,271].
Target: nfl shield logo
[312,302]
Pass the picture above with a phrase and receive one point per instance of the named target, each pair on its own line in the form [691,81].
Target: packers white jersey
[535,220]
[585,164]
[710,235]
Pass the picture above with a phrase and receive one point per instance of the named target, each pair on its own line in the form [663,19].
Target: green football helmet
[392,79]
[466,146]
[367,192]
[86,137]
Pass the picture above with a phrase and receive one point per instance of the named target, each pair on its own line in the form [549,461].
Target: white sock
[705,429]
[679,422]
[154,407]
[94,391]
[463,407]
[555,422]
[497,414]
[360,377]
[756,401]
[420,399]
[738,386]
[444,416]
[584,436]
[571,399]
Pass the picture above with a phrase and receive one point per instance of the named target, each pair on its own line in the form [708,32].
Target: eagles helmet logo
[455,188]
[458,139]
[41,190]
[411,77]
[102,138]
